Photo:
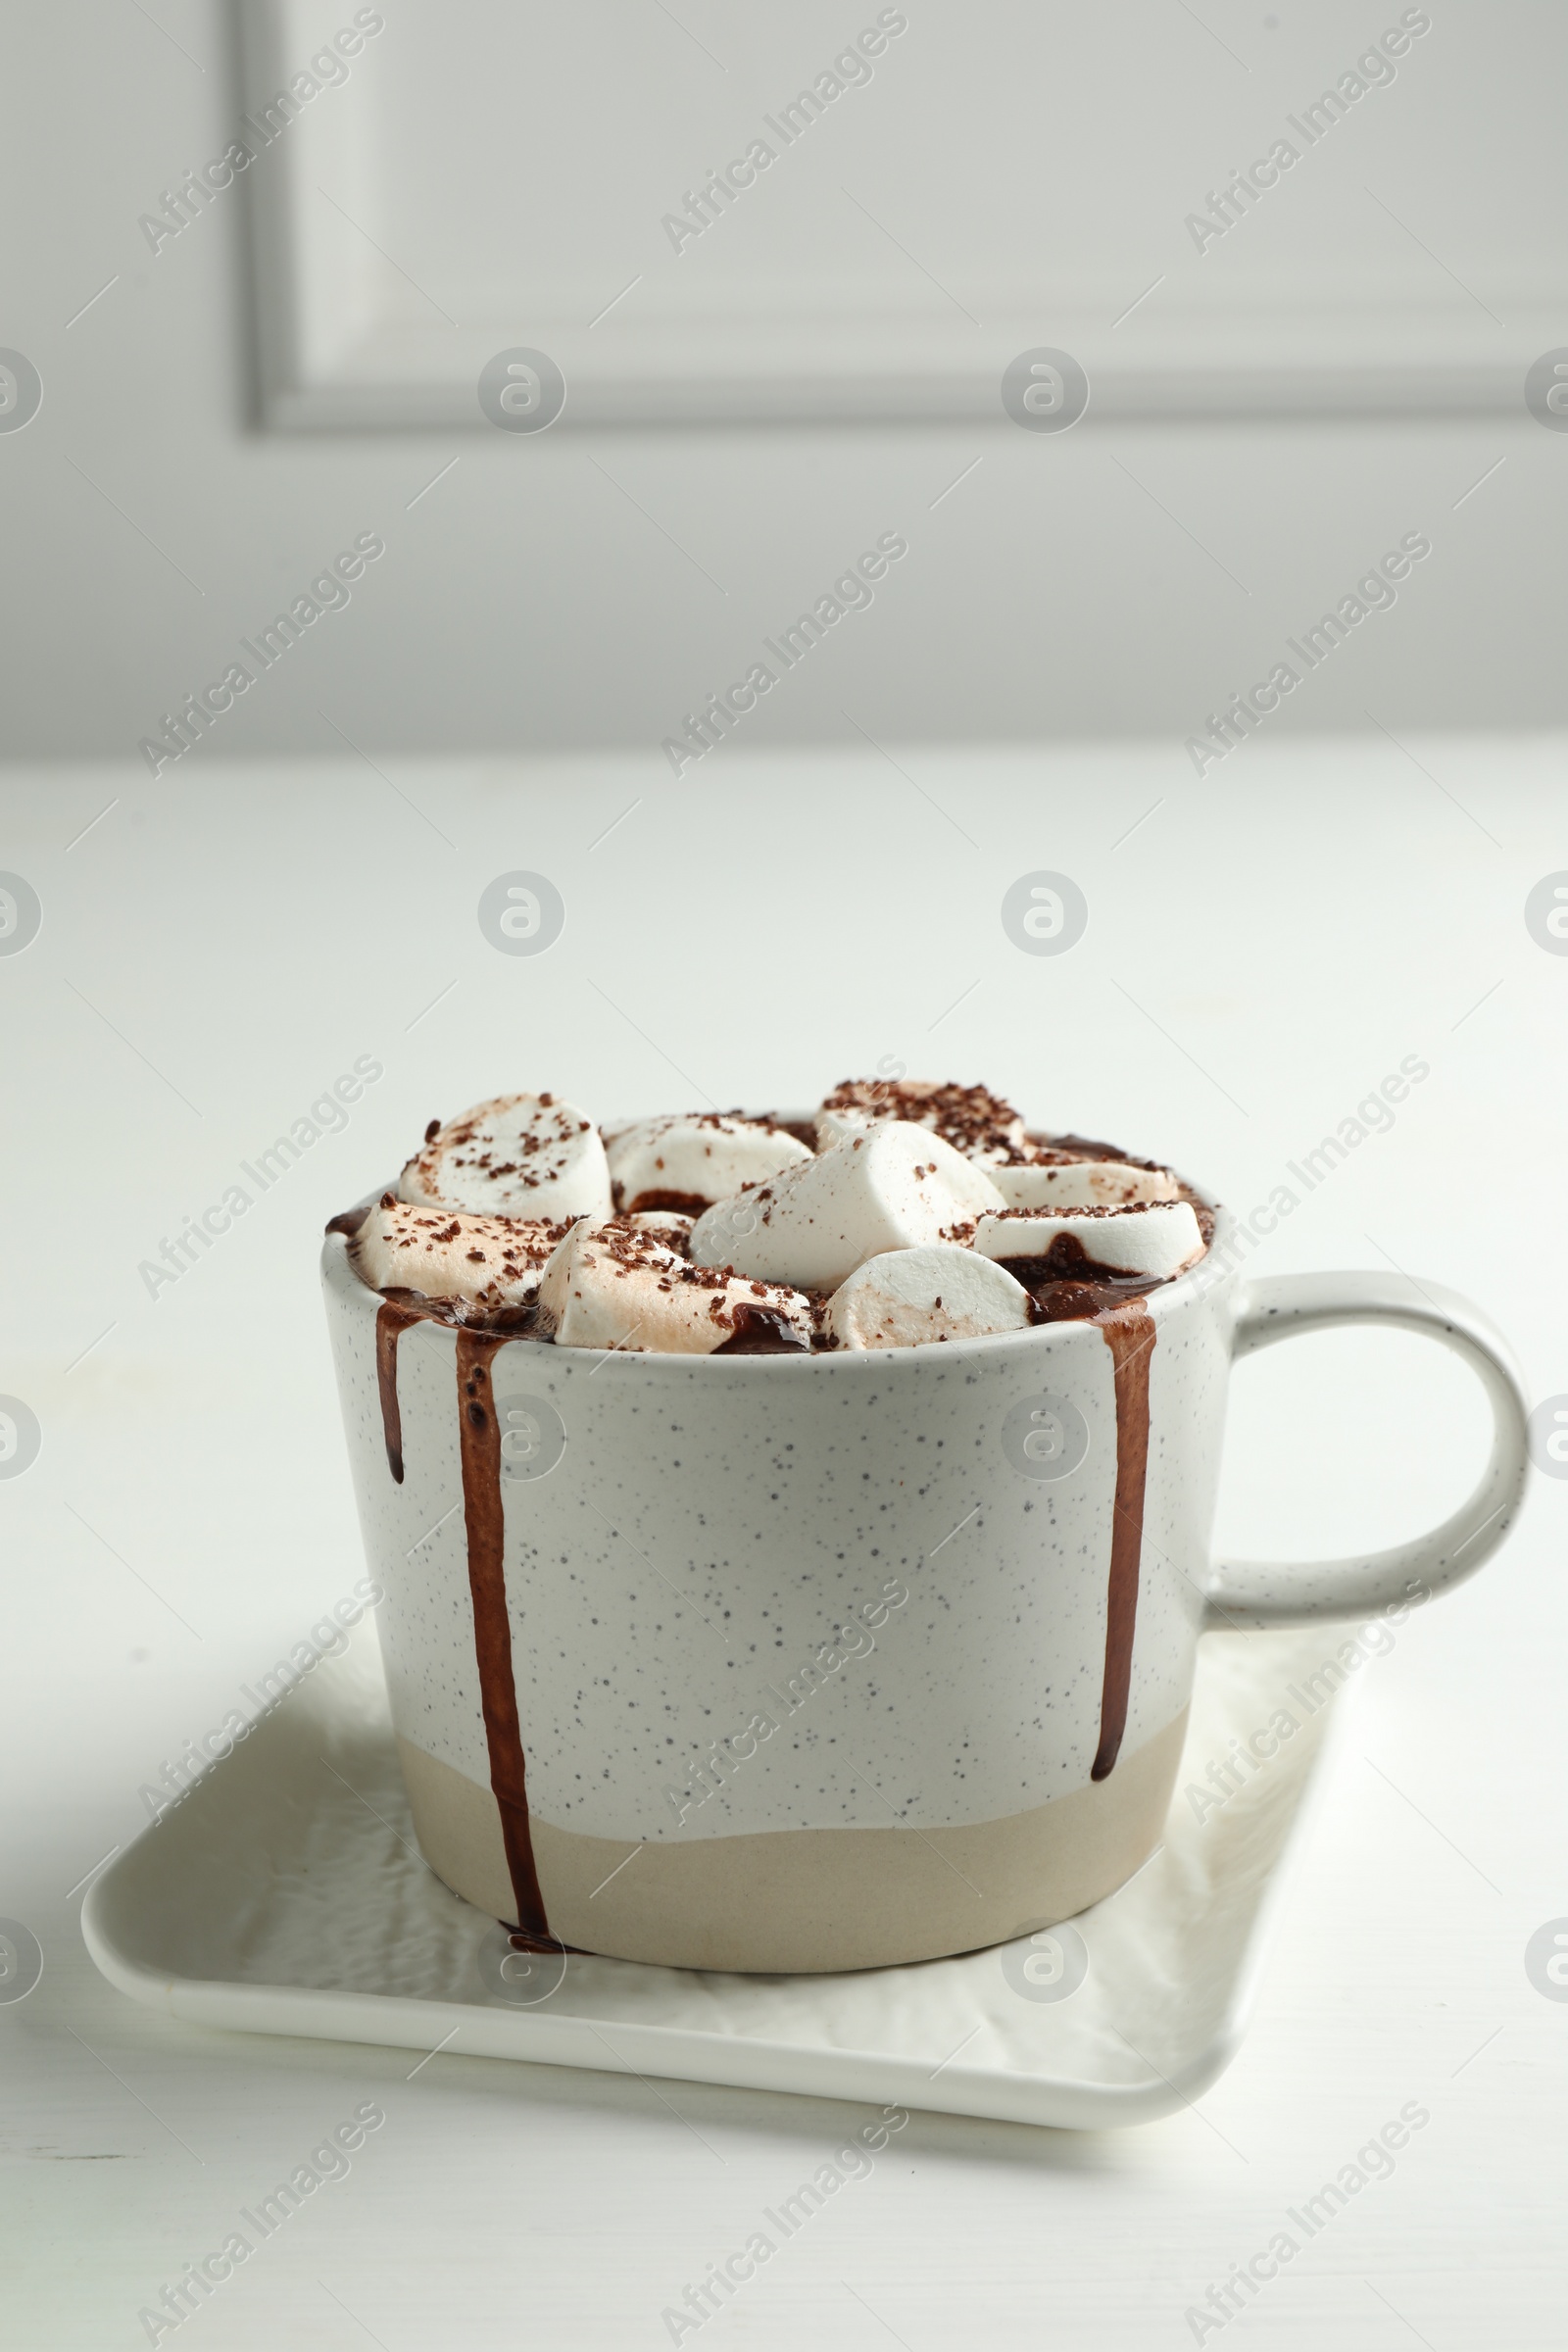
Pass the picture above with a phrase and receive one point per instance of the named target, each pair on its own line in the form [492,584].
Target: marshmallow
[1057,1181]
[972,1120]
[1152,1238]
[689,1162]
[894,1187]
[493,1261]
[520,1156]
[612,1286]
[908,1298]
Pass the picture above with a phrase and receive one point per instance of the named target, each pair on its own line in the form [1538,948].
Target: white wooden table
[1261,950]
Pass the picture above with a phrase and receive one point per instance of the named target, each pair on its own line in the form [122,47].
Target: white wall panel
[996,178]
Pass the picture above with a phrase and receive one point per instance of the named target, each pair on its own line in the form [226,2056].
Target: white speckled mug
[769,1662]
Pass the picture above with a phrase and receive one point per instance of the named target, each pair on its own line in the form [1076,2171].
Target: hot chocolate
[693,1233]
[924,1214]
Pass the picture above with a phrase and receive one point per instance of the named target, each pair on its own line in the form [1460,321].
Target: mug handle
[1252,1595]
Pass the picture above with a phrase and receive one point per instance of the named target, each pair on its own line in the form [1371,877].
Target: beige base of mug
[808,1900]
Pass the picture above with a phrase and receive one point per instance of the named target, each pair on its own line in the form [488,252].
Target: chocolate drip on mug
[1128,1331]
[392,1320]
[1067,1287]
[479,1434]
[479,1445]
[347,1220]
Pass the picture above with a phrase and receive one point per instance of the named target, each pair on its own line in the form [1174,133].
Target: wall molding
[337,349]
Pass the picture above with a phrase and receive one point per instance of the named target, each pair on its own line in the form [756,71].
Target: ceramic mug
[796,1663]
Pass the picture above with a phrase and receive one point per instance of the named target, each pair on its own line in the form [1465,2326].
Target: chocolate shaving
[971,1118]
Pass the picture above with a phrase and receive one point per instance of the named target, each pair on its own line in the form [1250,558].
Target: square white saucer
[285,1894]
